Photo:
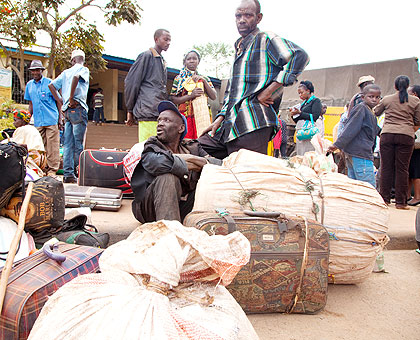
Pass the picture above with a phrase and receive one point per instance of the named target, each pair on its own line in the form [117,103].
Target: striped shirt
[261,58]
[99,100]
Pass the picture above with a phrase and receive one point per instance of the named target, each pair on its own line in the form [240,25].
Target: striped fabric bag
[34,279]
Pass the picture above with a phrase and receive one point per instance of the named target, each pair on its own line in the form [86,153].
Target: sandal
[402,206]
[413,202]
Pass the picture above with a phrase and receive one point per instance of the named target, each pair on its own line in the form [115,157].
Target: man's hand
[197,92]
[265,97]
[194,163]
[60,120]
[331,149]
[213,126]
[130,119]
[72,103]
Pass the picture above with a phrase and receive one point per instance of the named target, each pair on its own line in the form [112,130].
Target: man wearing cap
[357,98]
[74,86]
[45,111]
[165,179]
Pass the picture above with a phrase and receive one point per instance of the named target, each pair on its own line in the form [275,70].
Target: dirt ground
[386,306]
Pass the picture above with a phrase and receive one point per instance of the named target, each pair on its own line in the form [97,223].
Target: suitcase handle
[52,252]
[283,227]
[269,214]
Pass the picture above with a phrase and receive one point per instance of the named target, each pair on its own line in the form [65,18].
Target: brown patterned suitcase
[35,278]
[275,280]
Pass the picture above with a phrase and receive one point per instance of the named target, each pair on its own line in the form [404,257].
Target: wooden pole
[14,245]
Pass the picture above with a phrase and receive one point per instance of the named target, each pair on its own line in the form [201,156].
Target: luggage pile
[353,212]
[165,281]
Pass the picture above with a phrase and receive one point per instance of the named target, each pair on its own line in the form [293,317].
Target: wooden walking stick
[14,245]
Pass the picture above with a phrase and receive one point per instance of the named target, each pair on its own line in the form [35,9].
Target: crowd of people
[358,135]
[264,63]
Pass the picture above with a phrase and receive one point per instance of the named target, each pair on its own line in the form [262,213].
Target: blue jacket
[359,135]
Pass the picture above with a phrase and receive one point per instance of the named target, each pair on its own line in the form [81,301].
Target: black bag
[76,231]
[7,133]
[104,168]
[12,170]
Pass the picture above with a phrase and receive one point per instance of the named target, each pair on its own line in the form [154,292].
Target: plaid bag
[34,279]
[131,160]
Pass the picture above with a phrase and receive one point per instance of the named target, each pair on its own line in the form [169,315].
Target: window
[17,92]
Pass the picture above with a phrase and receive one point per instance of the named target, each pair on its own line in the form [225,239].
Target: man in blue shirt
[45,110]
[74,85]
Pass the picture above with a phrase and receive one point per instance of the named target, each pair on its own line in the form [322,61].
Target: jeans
[74,133]
[361,169]
[98,115]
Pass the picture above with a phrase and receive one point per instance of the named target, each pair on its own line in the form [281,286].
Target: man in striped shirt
[264,63]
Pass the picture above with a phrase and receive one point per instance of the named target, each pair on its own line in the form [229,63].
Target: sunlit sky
[334,33]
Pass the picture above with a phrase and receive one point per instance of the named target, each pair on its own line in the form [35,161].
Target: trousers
[74,134]
[396,150]
[51,138]
[255,141]
[163,201]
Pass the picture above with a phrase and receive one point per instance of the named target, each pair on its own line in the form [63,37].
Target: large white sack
[354,212]
[8,230]
[132,297]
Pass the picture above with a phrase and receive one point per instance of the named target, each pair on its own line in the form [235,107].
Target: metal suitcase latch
[282,227]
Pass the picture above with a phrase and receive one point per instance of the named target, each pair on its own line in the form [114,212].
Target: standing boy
[358,138]
[145,86]
[98,115]
[45,110]
[74,85]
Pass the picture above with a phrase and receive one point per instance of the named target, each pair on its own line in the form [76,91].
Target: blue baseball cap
[167,105]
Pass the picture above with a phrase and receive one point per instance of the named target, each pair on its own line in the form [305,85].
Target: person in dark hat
[45,111]
[165,179]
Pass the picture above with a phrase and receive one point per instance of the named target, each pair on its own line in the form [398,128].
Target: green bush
[6,123]
[6,117]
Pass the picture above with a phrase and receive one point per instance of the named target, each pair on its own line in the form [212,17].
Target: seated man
[165,179]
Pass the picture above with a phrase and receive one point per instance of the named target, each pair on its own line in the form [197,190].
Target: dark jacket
[157,160]
[359,135]
[145,85]
[314,107]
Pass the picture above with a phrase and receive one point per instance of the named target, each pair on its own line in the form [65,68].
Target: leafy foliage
[20,20]
[218,56]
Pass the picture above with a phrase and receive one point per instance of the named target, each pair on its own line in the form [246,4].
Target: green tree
[17,25]
[218,56]
[66,27]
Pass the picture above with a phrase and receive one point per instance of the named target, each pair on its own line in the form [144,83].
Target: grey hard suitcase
[93,197]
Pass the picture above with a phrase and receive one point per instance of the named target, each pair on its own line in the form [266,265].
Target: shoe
[69,180]
[413,202]
[402,206]
[418,251]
